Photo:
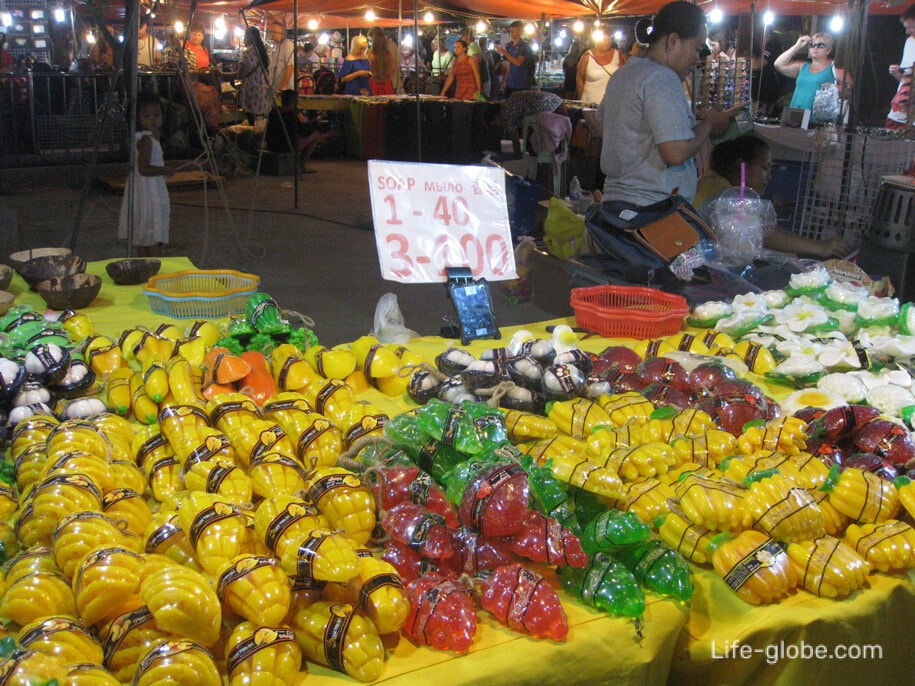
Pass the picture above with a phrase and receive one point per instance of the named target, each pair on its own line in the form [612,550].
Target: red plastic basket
[628,311]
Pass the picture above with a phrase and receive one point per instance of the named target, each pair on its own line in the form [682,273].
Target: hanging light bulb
[578,26]
[563,33]
[179,27]
[370,15]
[716,15]
[557,41]
[323,39]
[220,28]
[597,22]
[59,15]
[90,38]
[238,32]
[529,29]
[407,41]
[768,18]
[6,19]
[428,17]
[618,35]
[481,26]
[535,46]
[597,35]
[313,24]
[837,23]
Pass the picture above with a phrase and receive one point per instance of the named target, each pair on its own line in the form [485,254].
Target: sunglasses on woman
[818,45]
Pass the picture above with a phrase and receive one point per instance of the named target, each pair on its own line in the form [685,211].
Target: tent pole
[753,17]
[295,88]
[416,64]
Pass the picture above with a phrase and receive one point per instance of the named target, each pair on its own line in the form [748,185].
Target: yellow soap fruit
[221,477]
[708,448]
[79,461]
[861,495]
[128,475]
[119,432]
[282,520]
[331,363]
[321,555]
[330,397]
[647,497]
[652,347]
[177,662]
[9,542]
[50,501]
[32,431]
[275,473]
[33,559]
[257,654]
[649,459]
[258,437]
[29,466]
[78,434]
[626,407]
[206,330]
[180,424]
[165,536]
[62,637]
[164,476]
[150,444]
[689,539]
[183,603]
[362,421]
[128,509]
[835,520]
[104,581]
[756,356]
[80,532]
[716,504]
[359,652]
[129,636]
[828,567]
[79,326]
[9,501]
[380,593]
[31,667]
[257,588]
[783,510]
[215,528]
[39,595]
[230,412]
[888,546]
[688,342]
[754,566]
[88,674]
[347,503]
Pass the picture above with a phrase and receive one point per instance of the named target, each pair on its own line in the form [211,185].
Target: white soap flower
[799,366]
[874,309]
[812,279]
[846,294]
[776,299]
[749,301]
[846,385]
[713,309]
[890,398]
[802,316]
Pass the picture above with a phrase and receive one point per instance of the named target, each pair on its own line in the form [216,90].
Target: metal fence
[840,181]
[61,113]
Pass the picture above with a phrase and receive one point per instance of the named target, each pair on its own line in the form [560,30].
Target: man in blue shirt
[521,61]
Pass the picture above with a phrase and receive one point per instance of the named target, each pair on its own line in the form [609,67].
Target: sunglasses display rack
[722,82]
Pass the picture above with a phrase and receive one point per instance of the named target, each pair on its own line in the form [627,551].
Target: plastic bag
[741,219]
[826,105]
[520,289]
[564,231]
[389,322]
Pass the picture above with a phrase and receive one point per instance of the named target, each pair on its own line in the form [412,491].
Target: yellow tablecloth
[680,644]
[117,307]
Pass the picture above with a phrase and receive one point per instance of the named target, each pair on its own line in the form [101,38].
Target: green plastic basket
[200,293]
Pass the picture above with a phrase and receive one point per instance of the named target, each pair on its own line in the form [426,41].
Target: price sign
[432,216]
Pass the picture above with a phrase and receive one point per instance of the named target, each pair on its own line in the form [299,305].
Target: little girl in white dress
[146,184]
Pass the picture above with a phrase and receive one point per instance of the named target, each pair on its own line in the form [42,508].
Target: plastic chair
[530,128]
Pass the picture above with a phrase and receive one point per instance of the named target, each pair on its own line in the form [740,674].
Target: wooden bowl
[133,271]
[74,291]
[6,276]
[6,301]
[41,268]
[17,259]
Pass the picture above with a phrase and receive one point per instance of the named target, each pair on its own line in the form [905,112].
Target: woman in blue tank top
[809,76]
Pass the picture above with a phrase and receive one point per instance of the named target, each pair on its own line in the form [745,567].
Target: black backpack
[325,81]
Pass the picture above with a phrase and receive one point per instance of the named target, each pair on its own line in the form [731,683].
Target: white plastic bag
[741,221]
[389,322]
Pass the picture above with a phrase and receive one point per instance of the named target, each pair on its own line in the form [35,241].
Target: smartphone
[473,304]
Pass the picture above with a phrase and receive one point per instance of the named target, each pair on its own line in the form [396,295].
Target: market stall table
[679,643]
